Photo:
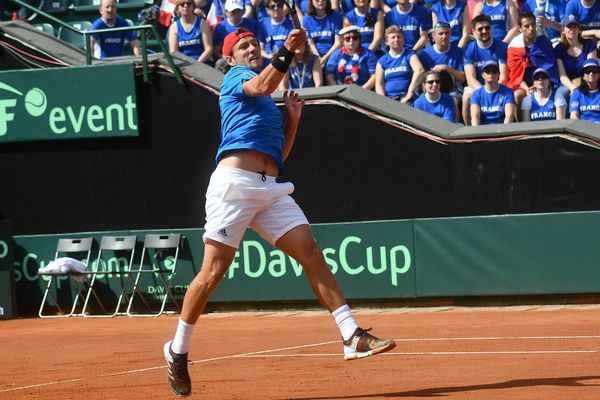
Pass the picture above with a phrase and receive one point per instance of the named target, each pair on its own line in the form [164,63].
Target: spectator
[272,32]
[446,59]
[526,53]
[112,44]
[353,63]
[370,22]
[455,13]
[585,101]
[504,15]
[261,8]
[190,34]
[399,71]
[571,53]
[305,71]
[544,103]
[548,15]
[435,102]
[586,12]
[234,13]
[492,103]
[322,25]
[414,20]
[483,49]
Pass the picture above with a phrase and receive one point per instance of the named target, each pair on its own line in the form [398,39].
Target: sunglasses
[491,71]
[432,81]
[275,6]
[350,38]
[484,28]
[540,77]
[590,71]
[186,4]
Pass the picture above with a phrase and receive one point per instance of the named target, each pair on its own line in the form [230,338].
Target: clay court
[525,352]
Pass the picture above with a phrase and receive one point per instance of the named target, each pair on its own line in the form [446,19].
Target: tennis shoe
[362,344]
[177,372]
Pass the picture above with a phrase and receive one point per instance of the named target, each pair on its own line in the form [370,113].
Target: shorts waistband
[244,173]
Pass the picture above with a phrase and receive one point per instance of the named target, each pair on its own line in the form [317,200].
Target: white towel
[63,265]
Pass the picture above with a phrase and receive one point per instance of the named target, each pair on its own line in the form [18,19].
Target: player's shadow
[574,381]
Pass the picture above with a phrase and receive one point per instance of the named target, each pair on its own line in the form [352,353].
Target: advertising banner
[68,103]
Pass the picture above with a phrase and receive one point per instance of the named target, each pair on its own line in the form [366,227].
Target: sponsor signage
[68,103]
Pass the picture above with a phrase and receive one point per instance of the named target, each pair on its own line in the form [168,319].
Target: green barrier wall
[8,307]
[475,256]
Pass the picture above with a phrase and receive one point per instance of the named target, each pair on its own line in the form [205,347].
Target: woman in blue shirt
[322,25]
[353,63]
[305,71]
[399,71]
[190,34]
[369,21]
[571,53]
[544,103]
[585,101]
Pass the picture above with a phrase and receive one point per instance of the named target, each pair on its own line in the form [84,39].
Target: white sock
[345,321]
[183,335]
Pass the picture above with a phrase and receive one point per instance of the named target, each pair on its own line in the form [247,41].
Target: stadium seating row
[63,6]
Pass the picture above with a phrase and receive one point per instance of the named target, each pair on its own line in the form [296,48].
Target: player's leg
[217,259]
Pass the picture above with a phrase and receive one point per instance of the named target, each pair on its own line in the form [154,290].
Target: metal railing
[87,36]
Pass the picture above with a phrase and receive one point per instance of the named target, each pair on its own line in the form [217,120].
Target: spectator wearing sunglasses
[353,63]
[455,13]
[435,102]
[190,34]
[272,32]
[414,20]
[544,103]
[504,15]
[585,100]
[399,71]
[483,49]
[234,12]
[492,103]
[369,21]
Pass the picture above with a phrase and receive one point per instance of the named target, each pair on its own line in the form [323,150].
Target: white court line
[264,352]
[430,353]
[42,384]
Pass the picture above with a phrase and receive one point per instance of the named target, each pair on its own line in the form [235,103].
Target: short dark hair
[479,19]
[526,15]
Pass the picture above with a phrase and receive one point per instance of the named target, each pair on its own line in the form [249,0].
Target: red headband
[232,39]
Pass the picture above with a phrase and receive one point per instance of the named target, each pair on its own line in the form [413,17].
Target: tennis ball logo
[36,102]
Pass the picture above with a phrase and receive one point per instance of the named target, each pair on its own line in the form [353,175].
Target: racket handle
[295,19]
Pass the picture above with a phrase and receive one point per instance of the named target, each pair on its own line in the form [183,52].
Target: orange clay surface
[525,352]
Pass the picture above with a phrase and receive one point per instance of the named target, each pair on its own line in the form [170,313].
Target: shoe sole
[358,355]
[166,348]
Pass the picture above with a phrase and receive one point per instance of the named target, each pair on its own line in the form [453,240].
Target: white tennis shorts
[237,199]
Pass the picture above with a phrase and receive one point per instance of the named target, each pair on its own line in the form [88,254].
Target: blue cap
[441,24]
[490,63]
[590,62]
[540,71]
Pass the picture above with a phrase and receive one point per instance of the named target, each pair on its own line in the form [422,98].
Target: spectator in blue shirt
[190,34]
[399,71]
[492,103]
[586,12]
[234,12]
[504,15]
[414,20]
[322,24]
[484,48]
[112,44]
[353,63]
[548,14]
[305,71]
[585,101]
[272,32]
[544,103]
[455,13]
[435,102]
[369,21]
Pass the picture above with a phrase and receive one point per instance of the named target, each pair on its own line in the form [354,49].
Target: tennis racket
[293,14]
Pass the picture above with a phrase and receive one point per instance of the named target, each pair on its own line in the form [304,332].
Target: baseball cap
[489,64]
[571,21]
[590,63]
[348,29]
[540,71]
[231,5]
[441,24]
[234,37]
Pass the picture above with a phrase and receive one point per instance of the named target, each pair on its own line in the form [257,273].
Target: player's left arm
[293,106]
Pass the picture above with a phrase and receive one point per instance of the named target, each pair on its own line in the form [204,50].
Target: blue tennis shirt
[252,123]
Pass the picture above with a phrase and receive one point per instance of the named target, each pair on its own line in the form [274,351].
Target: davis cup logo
[35,103]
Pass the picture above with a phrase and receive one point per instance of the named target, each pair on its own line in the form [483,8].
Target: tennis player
[243,193]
